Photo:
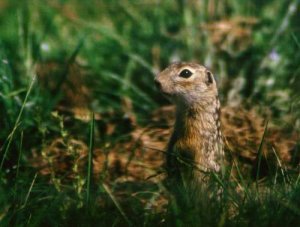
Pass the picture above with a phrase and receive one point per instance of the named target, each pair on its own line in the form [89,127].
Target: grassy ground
[62,60]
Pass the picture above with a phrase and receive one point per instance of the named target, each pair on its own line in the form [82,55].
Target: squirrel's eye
[185,73]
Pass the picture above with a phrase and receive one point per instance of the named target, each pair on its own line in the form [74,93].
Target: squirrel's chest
[199,149]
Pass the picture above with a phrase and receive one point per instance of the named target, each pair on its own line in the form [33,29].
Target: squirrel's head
[187,84]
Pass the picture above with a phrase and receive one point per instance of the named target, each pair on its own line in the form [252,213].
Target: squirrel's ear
[209,78]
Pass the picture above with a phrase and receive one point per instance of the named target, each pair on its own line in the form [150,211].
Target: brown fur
[196,146]
[197,138]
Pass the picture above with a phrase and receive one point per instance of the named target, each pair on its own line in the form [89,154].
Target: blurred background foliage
[101,56]
[251,46]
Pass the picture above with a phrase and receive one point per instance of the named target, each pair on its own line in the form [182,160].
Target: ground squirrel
[196,146]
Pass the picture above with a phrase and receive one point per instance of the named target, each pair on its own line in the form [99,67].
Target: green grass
[114,48]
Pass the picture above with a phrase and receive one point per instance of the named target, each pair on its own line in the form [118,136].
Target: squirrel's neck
[197,130]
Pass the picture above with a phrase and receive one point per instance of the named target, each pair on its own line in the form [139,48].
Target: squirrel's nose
[157,84]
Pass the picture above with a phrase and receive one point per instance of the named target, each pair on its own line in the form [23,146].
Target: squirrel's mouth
[163,92]
[167,95]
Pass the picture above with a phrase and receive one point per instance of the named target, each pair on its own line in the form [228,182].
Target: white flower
[270,82]
[45,47]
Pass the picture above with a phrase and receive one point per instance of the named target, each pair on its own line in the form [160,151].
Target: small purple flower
[274,56]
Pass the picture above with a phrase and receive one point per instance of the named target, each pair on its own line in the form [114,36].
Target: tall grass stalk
[260,154]
[29,191]
[280,167]
[117,204]
[20,154]
[17,122]
[90,159]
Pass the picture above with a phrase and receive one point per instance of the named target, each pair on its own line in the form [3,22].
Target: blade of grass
[141,61]
[139,92]
[295,39]
[17,122]
[70,61]
[20,153]
[18,164]
[280,166]
[108,191]
[242,180]
[259,154]
[90,159]
[298,179]
[29,191]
